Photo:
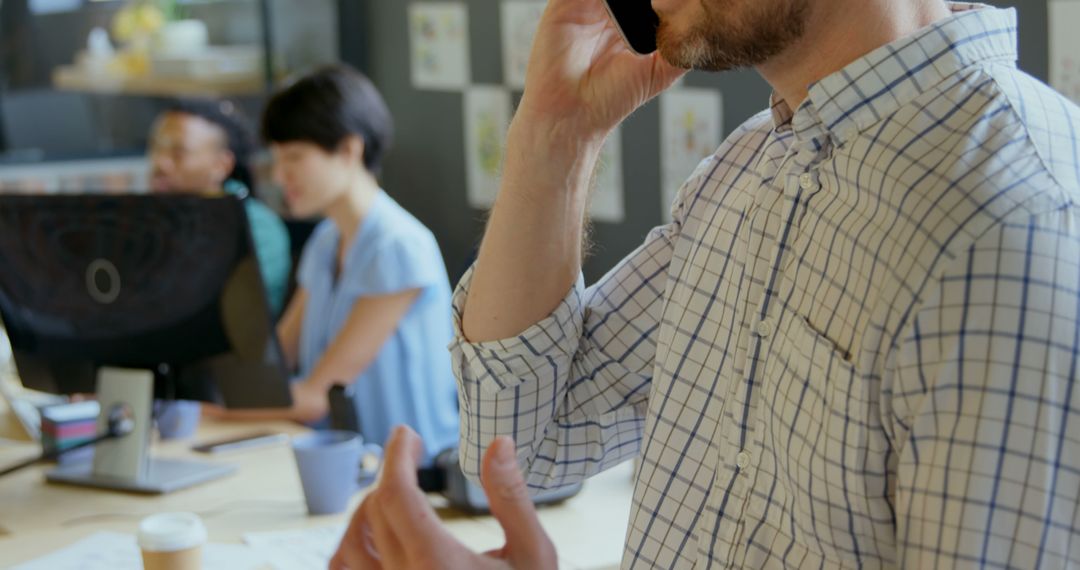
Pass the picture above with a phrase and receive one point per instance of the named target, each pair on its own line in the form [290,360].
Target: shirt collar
[876,85]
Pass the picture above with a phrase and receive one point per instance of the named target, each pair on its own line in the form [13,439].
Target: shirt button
[765,328]
[742,460]
[807,181]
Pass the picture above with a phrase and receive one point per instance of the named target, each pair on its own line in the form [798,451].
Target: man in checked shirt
[857,343]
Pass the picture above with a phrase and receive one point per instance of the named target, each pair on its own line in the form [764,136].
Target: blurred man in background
[203,147]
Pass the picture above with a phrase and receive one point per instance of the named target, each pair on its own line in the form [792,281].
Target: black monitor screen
[136,281]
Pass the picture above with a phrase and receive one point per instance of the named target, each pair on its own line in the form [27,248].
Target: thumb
[513,508]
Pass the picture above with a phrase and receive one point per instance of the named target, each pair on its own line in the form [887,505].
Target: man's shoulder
[1050,121]
[1004,145]
[1007,134]
[263,217]
[267,229]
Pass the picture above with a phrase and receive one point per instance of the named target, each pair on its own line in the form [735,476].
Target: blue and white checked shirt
[857,343]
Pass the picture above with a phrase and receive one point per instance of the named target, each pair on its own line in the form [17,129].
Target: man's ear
[352,148]
[224,164]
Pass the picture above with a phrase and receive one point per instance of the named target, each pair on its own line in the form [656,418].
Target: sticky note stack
[67,425]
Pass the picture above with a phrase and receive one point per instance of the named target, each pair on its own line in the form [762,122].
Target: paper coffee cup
[172,541]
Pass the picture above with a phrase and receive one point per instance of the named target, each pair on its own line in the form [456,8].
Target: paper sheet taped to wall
[439,42]
[487,118]
[691,124]
[1065,47]
[606,202]
[520,18]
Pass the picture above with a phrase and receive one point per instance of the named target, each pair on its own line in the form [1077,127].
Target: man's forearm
[531,253]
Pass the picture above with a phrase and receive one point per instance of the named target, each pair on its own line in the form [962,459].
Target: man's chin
[693,51]
[716,43]
[674,48]
[680,48]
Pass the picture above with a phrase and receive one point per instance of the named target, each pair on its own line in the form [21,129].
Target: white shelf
[71,78]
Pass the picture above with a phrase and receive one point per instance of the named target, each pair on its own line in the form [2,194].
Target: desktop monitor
[165,283]
[135,296]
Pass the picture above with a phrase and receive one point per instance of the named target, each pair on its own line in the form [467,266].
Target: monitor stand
[124,464]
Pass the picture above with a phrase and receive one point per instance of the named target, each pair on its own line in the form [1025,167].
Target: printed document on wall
[1065,47]
[606,202]
[487,118]
[520,19]
[691,123]
[439,42]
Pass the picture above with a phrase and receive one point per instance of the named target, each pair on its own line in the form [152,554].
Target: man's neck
[840,32]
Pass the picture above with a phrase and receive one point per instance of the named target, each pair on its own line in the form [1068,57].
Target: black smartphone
[342,409]
[637,21]
[248,441]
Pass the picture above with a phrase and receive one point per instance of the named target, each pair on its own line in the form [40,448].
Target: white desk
[265,495]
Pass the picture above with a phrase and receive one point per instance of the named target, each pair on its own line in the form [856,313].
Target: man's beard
[722,42]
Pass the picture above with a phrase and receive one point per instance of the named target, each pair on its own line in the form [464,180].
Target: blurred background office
[81,82]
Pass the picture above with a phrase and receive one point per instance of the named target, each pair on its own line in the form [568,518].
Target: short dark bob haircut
[326,107]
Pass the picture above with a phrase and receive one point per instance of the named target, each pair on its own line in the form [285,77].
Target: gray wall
[426,169]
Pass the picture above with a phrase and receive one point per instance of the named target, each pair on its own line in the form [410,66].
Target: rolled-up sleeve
[571,389]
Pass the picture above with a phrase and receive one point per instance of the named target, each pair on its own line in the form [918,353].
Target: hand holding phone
[582,76]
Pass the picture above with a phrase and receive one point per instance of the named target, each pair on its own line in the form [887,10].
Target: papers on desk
[297,549]
[118,551]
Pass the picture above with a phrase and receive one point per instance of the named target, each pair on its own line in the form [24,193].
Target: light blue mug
[334,465]
[177,419]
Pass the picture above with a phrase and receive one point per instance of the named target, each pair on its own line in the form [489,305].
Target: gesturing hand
[395,527]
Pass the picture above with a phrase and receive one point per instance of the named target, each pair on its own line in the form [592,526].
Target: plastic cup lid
[168,532]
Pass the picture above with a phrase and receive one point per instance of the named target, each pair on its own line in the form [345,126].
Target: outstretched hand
[395,527]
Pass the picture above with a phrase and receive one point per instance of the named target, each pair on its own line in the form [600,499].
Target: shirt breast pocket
[824,444]
[803,373]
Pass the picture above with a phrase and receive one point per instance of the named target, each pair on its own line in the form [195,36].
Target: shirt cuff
[503,364]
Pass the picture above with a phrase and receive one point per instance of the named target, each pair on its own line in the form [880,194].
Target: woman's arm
[371,322]
[288,329]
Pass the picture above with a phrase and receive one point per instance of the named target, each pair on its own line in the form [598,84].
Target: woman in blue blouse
[373,304]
